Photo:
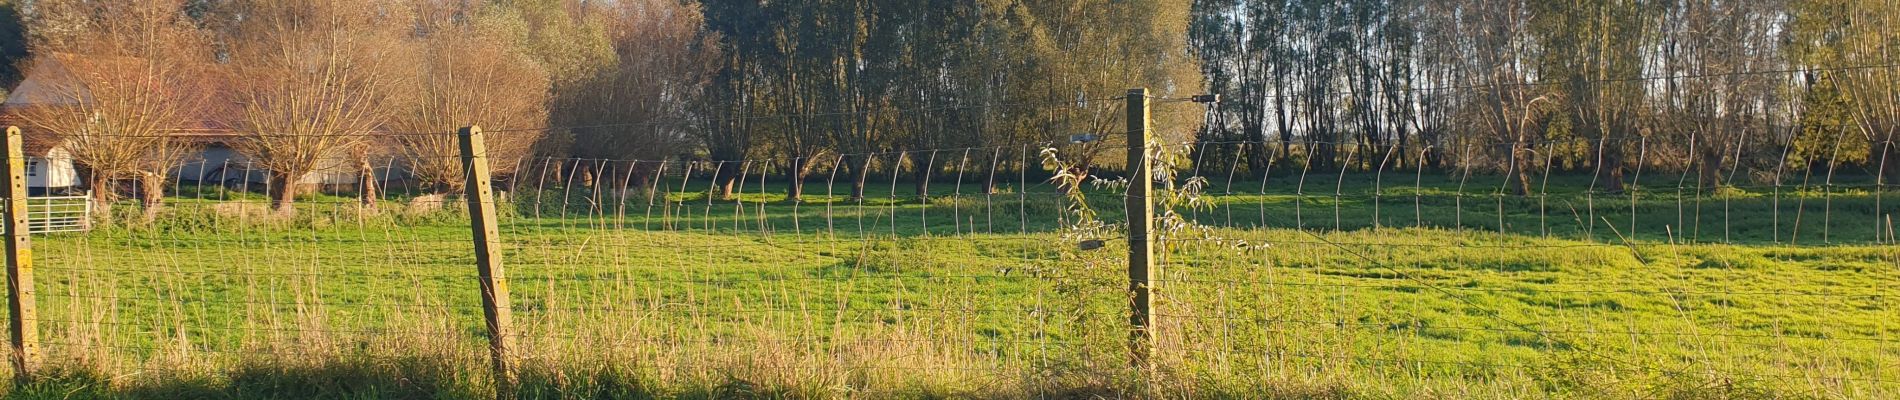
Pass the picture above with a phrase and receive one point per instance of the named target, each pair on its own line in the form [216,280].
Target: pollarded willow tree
[1710,98]
[1506,103]
[313,79]
[116,82]
[462,79]
[1591,48]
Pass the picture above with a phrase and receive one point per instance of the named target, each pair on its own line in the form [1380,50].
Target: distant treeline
[1724,90]
[1719,88]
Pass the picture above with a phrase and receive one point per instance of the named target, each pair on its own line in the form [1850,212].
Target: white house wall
[59,169]
[53,171]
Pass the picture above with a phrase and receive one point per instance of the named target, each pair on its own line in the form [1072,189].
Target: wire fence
[970,268]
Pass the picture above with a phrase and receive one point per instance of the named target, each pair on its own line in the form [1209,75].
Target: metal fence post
[1140,223]
[22,315]
[481,214]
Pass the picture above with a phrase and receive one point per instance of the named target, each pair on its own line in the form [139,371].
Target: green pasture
[1356,287]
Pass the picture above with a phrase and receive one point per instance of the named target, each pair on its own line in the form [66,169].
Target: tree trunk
[1283,122]
[1404,148]
[860,172]
[101,196]
[1709,169]
[1257,156]
[551,173]
[1610,163]
[367,191]
[641,180]
[1612,169]
[1892,164]
[989,182]
[151,194]
[727,176]
[283,192]
[585,172]
[1884,158]
[920,175]
[796,191]
[1521,165]
[1429,157]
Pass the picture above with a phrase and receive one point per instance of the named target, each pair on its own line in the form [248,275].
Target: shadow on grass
[418,378]
[400,378]
[405,378]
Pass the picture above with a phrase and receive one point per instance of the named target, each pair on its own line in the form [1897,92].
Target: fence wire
[1323,264]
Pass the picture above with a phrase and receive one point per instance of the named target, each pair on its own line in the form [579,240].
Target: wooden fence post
[22,315]
[1140,224]
[481,214]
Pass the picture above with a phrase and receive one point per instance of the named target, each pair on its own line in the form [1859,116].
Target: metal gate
[50,214]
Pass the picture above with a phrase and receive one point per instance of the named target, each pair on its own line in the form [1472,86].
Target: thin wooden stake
[495,306]
[23,314]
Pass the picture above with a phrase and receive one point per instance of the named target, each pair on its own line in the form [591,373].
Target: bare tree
[156,168]
[1709,51]
[464,79]
[116,108]
[1588,46]
[313,78]
[1505,104]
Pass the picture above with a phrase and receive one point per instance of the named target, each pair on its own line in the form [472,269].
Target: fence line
[982,260]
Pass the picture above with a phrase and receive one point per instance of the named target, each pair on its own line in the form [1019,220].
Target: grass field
[1346,287]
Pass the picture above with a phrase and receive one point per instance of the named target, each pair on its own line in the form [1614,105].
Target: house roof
[39,89]
[32,143]
[44,72]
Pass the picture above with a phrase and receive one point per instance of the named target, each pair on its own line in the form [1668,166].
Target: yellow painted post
[22,317]
[481,214]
